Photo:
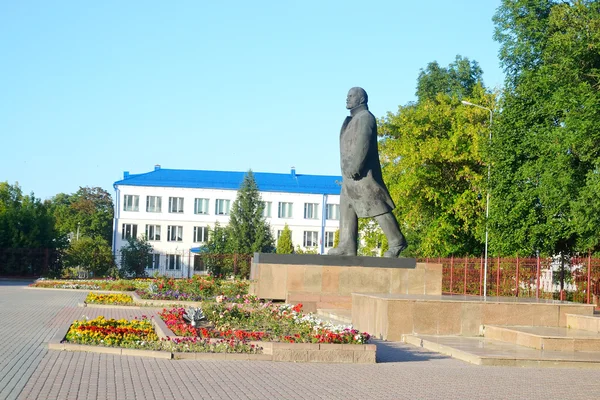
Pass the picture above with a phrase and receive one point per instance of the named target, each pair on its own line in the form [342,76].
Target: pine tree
[249,230]
[284,243]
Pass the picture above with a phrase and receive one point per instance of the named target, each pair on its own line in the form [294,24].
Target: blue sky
[91,89]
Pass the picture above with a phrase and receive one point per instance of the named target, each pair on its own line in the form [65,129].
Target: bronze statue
[364,193]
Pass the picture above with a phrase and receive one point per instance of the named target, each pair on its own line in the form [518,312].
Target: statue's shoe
[340,251]
[395,251]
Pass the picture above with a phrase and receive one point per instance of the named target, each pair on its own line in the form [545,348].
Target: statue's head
[356,97]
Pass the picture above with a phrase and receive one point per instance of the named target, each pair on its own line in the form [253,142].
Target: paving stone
[28,370]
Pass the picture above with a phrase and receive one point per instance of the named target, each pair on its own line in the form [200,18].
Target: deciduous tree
[92,254]
[89,211]
[135,257]
[434,161]
[546,143]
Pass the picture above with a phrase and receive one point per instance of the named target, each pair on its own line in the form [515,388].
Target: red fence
[522,277]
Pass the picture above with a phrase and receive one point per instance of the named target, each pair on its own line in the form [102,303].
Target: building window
[285,210]
[129,231]
[174,233]
[267,209]
[153,232]
[153,261]
[201,206]
[153,204]
[200,234]
[311,238]
[175,204]
[222,207]
[333,211]
[173,261]
[329,239]
[131,203]
[311,211]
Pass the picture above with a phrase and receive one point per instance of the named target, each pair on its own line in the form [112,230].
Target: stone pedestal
[389,316]
[320,281]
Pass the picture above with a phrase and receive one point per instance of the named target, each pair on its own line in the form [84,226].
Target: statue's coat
[362,182]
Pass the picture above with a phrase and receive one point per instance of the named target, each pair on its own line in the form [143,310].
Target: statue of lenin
[364,193]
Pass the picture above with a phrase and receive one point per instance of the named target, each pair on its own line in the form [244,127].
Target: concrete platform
[389,316]
[483,351]
[589,323]
[335,261]
[325,279]
[545,337]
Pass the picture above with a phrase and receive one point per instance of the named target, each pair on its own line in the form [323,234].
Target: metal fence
[28,262]
[574,279]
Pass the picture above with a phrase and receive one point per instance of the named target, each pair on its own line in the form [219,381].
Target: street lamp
[487,199]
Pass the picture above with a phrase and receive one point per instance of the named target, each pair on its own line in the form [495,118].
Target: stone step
[484,351]
[334,314]
[589,323]
[545,338]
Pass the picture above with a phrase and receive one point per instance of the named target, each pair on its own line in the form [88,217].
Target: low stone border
[272,351]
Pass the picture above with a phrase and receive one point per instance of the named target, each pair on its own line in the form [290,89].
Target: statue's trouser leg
[390,227]
[348,228]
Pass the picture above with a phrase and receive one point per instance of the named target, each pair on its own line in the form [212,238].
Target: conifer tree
[249,231]
[284,243]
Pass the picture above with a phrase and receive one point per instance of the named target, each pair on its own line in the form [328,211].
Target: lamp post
[487,199]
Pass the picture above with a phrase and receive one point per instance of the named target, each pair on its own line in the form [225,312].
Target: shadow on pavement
[388,352]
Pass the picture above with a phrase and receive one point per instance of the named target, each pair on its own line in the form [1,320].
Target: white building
[174,209]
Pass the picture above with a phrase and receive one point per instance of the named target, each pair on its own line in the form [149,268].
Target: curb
[271,351]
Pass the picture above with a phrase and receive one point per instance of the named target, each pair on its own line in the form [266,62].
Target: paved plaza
[28,370]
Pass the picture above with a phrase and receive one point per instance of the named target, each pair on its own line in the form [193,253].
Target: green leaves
[248,231]
[545,147]
[434,161]
[135,257]
[92,254]
[89,209]
[284,243]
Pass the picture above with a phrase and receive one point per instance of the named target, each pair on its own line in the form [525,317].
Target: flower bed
[167,295]
[196,288]
[112,332]
[112,298]
[93,284]
[261,321]
[246,329]
[139,334]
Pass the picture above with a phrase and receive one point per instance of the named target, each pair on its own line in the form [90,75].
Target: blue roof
[266,181]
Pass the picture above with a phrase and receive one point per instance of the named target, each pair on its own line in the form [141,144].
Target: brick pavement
[29,371]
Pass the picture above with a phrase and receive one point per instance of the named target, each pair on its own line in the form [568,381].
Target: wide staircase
[576,345]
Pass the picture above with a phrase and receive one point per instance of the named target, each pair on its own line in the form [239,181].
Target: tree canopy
[545,150]
[89,210]
[25,222]
[433,155]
